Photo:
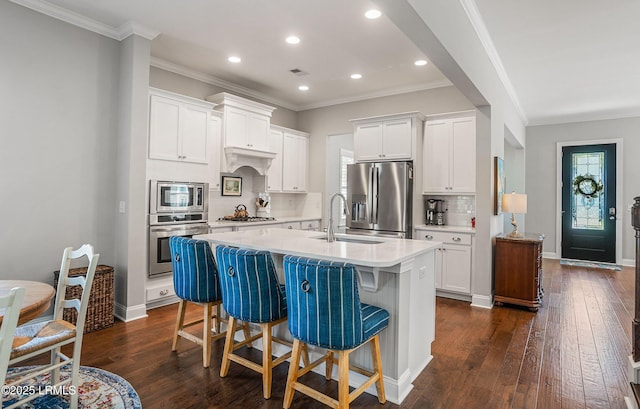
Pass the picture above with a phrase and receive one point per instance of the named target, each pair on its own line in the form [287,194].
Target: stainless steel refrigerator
[379,196]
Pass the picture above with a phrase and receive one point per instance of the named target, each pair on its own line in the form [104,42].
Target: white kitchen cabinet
[274,174]
[313,225]
[246,123]
[453,260]
[449,155]
[178,127]
[387,138]
[215,156]
[295,151]
[291,225]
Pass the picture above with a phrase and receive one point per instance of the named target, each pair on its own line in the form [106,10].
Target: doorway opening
[588,198]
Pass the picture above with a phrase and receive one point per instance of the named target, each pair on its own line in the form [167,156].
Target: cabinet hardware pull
[456,238]
[428,237]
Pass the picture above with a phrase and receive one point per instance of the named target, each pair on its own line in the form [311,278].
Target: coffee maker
[435,213]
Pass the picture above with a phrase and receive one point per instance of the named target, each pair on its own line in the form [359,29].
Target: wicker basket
[100,308]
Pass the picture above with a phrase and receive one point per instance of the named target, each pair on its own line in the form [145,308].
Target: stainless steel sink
[351,240]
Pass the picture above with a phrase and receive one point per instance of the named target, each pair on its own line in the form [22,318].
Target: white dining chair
[11,305]
[48,337]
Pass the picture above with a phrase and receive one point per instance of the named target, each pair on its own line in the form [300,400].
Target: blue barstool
[195,279]
[251,293]
[325,311]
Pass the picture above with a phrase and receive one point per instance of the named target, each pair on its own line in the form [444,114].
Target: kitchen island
[394,274]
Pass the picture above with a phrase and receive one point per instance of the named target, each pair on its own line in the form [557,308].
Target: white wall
[542,170]
[322,122]
[514,172]
[58,116]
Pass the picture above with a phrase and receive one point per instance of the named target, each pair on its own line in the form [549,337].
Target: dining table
[37,298]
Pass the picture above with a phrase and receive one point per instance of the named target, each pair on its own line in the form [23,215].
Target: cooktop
[247,219]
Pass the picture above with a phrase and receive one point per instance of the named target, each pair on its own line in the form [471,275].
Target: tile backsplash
[459,209]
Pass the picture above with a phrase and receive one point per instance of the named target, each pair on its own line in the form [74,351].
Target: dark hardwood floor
[572,353]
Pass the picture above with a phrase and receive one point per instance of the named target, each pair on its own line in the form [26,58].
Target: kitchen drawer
[220,229]
[291,225]
[310,225]
[444,237]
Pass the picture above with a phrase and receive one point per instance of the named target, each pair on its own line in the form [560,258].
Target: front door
[588,202]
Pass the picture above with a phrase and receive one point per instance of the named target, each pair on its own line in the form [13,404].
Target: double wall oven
[175,209]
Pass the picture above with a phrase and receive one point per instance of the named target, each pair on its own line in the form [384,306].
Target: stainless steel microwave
[178,197]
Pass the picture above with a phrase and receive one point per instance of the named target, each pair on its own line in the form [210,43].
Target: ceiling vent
[298,72]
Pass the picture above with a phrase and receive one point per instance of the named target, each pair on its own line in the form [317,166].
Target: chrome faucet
[331,236]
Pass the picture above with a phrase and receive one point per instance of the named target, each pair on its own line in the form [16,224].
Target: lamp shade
[514,203]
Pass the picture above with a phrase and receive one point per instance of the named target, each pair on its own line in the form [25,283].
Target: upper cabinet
[178,127]
[246,123]
[295,148]
[449,157]
[274,175]
[215,155]
[387,138]
[288,171]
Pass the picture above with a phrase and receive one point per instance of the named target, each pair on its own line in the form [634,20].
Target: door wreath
[587,186]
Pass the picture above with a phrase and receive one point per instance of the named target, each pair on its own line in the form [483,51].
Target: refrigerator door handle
[374,194]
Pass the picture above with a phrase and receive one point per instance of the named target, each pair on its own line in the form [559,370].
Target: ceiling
[563,60]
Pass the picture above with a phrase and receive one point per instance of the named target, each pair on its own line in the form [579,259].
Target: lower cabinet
[453,260]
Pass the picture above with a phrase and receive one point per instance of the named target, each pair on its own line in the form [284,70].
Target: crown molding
[131,27]
[78,20]
[377,94]
[210,79]
[480,28]
[583,117]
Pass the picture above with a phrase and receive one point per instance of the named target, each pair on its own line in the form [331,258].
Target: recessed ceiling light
[356,76]
[420,62]
[372,14]
[234,59]
[292,40]
[303,88]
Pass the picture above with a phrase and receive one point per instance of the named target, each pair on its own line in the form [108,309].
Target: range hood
[237,157]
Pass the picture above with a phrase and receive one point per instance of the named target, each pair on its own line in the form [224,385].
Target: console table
[518,270]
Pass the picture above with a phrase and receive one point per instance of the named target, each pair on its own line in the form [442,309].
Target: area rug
[98,389]
[593,264]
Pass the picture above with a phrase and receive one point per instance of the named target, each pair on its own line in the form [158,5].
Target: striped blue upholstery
[250,288]
[324,305]
[195,274]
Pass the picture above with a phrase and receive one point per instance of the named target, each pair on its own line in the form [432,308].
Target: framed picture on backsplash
[231,186]
[499,183]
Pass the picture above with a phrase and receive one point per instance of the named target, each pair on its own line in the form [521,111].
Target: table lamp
[514,203]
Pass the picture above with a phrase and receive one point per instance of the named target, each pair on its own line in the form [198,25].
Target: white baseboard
[127,314]
[481,301]
[161,302]
[628,262]
[548,254]
[633,375]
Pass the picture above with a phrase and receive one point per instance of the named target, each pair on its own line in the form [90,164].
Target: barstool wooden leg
[217,324]
[228,347]
[179,323]
[329,365]
[343,379]
[206,334]
[292,378]
[247,333]
[377,367]
[267,360]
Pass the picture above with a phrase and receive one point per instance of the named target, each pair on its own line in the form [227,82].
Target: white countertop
[216,223]
[386,252]
[446,228]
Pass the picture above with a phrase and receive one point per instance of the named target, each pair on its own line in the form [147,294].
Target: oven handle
[192,228]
